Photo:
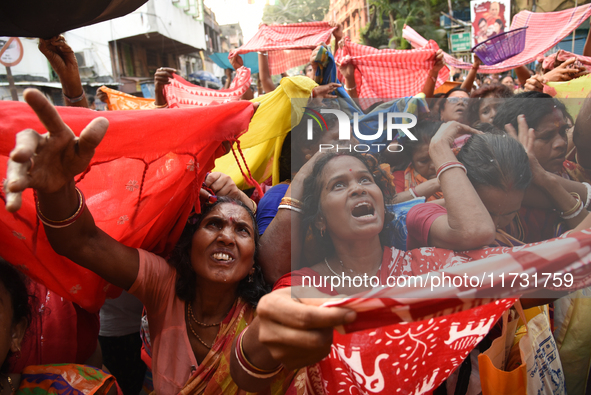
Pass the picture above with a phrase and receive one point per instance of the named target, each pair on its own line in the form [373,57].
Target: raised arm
[162,77]
[469,81]
[237,62]
[63,61]
[430,82]
[264,73]
[522,74]
[587,48]
[281,244]
[337,34]
[228,73]
[468,224]
[48,164]
[348,72]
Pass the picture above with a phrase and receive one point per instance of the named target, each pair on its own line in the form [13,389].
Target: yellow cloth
[574,91]
[270,124]
[573,338]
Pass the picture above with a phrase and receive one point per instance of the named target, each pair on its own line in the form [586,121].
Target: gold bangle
[292,202]
[254,210]
[159,106]
[576,206]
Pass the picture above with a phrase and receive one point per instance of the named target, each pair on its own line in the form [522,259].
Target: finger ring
[32,165]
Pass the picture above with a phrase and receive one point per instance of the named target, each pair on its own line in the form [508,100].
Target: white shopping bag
[540,354]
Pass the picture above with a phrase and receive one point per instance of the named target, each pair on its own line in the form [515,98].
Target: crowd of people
[492,163]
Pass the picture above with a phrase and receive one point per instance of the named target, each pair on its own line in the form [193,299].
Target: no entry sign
[11,51]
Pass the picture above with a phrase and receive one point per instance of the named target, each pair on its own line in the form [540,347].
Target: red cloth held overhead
[545,30]
[140,186]
[553,60]
[287,45]
[390,73]
[180,93]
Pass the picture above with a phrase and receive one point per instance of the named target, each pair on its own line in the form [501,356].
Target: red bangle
[68,221]
[449,165]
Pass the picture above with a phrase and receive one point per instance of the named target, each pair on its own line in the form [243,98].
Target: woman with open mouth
[343,207]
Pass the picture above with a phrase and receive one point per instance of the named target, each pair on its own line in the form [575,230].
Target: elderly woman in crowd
[486,213]
[197,301]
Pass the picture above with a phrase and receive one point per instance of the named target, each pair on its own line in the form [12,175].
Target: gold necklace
[198,337]
[200,323]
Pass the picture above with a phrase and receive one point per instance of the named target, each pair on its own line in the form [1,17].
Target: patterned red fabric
[140,185]
[288,45]
[390,73]
[545,30]
[408,340]
[562,56]
[180,93]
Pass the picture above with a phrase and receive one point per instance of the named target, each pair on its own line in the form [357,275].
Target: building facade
[352,14]
[124,53]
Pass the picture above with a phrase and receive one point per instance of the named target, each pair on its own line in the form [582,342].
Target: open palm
[48,162]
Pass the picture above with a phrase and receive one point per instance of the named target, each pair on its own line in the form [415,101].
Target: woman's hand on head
[307,168]
[48,162]
[298,335]
[526,136]
[448,132]
[223,185]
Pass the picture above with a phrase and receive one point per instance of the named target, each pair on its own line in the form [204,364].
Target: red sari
[140,185]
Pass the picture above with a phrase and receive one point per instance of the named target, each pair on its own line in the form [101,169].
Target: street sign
[460,42]
[11,51]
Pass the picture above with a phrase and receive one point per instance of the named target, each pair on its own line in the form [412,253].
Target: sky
[233,11]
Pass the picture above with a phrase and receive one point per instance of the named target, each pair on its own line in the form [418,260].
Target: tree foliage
[388,18]
[294,11]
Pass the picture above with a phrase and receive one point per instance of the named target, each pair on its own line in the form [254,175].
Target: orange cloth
[122,101]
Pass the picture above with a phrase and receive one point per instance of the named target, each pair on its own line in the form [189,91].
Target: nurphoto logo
[393,122]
